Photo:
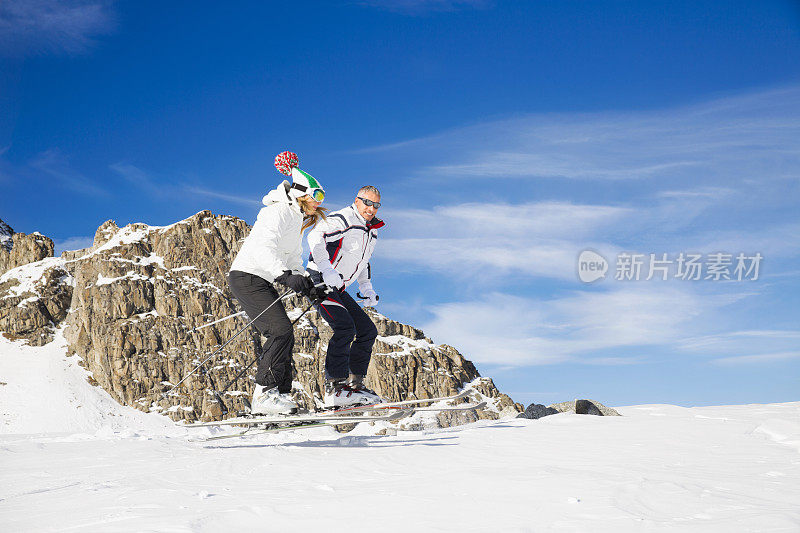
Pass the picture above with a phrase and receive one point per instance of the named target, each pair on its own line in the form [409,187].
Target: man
[341,247]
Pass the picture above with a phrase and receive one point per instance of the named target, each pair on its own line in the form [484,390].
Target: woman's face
[309,205]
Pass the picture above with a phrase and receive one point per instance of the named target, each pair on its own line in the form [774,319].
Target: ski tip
[463,394]
[400,413]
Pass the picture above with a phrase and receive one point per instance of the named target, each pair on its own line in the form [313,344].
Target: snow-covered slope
[72,459]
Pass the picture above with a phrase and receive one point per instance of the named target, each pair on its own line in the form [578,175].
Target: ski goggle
[369,203]
[317,194]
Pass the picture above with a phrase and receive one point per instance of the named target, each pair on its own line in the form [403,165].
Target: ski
[465,407]
[299,419]
[295,423]
[253,430]
[398,405]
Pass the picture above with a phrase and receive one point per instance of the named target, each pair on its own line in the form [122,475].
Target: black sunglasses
[369,203]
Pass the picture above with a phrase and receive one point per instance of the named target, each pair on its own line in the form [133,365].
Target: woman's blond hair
[309,221]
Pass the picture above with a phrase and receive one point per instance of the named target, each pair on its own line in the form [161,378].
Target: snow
[73,459]
[405,345]
[27,275]
[103,280]
[127,235]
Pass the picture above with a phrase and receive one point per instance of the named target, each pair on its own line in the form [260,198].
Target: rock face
[131,302]
[37,297]
[18,249]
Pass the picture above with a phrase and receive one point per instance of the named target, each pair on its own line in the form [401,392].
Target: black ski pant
[348,320]
[275,360]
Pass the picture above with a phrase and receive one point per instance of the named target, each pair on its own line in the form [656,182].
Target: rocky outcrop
[18,249]
[582,407]
[130,305]
[536,411]
[37,295]
[35,301]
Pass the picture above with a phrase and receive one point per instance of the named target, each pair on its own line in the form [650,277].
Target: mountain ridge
[130,302]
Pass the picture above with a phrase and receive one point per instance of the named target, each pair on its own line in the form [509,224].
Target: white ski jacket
[274,243]
[344,242]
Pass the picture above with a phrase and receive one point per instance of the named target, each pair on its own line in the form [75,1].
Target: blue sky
[506,137]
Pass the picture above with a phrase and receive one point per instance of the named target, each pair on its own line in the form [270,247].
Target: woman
[272,252]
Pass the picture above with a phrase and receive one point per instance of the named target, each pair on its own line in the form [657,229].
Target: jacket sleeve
[296,258]
[317,241]
[365,279]
[266,234]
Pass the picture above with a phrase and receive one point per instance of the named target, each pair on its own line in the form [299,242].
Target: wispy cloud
[579,327]
[60,26]
[489,241]
[485,243]
[742,341]
[143,180]
[753,136]
[56,165]
[163,188]
[248,201]
[760,358]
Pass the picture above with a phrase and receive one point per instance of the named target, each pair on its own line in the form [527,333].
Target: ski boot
[338,394]
[356,383]
[271,402]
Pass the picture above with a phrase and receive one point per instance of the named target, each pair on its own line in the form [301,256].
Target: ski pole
[218,394]
[282,296]
[198,328]
[223,319]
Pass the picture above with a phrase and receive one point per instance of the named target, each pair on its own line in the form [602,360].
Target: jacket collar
[375,223]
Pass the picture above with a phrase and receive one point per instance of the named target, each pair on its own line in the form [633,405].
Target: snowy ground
[71,459]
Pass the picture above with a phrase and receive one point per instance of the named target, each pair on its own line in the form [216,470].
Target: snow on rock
[27,276]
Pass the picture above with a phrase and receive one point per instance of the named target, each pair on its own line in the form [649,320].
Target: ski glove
[333,279]
[369,298]
[318,294]
[297,282]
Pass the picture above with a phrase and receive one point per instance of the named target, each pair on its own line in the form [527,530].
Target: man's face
[367,211]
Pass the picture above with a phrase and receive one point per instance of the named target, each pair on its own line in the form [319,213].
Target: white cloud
[61,26]
[754,136]
[581,327]
[488,241]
